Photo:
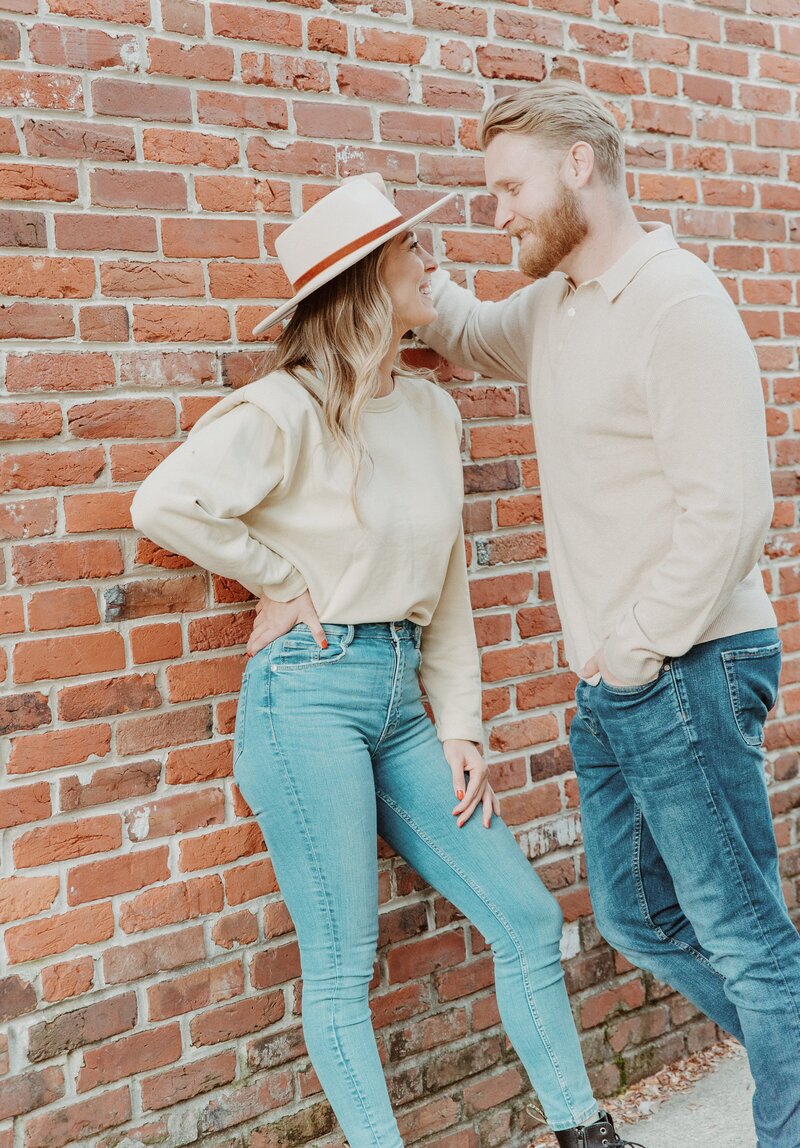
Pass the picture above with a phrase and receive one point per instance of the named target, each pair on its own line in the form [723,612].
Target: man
[650,435]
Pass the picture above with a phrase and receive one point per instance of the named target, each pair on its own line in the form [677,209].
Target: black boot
[601,1134]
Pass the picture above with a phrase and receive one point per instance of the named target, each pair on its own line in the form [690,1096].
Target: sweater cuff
[631,667]
[462,730]
[292,586]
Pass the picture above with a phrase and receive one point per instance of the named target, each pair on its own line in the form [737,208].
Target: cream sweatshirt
[259,492]
[650,433]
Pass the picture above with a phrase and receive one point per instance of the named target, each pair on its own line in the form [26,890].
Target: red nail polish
[324,643]
[460,794]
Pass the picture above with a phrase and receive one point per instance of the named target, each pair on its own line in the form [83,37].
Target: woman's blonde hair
[341,332]
[560,113]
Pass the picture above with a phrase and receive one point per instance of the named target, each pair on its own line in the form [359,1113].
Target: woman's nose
[428,260]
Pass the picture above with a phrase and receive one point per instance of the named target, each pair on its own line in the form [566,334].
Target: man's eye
[413,246]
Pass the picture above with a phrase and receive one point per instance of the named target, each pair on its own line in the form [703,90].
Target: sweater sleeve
[493,338]
[193,502]
[450,669]
[708,425]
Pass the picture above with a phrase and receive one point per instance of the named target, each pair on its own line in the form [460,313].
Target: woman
[332,489]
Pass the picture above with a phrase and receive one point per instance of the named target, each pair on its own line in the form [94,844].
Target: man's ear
[580,164]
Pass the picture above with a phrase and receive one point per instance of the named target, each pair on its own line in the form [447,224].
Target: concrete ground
[714,1113]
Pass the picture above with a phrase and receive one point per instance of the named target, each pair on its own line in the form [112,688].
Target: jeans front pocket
[634,691]
[753,676]
[241,712]
[298,649]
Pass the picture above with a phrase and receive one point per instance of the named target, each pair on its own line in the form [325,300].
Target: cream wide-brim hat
[336,232]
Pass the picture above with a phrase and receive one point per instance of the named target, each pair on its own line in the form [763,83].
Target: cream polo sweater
[259,492]
[650,434]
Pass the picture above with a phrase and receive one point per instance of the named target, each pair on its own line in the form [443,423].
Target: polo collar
[658,238]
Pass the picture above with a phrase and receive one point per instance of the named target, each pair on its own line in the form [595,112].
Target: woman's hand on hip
[465,757]
[276,618]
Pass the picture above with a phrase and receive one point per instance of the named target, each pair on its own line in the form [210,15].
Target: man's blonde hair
[560,113]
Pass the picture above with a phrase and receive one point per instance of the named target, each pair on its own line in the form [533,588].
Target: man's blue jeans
[333,747]
[681,853]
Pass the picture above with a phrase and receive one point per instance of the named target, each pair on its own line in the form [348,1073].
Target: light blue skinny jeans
[333,747]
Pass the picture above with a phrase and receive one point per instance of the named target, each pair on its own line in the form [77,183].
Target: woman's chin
[426,314]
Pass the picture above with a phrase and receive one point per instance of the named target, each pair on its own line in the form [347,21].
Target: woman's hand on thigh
[276,618]
[464,757]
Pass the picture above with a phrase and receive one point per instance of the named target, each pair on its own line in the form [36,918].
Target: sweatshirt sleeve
[493,338]
[708,425]
[193,502]
[450,669]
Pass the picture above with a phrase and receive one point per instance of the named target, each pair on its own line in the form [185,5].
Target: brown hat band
[348,249]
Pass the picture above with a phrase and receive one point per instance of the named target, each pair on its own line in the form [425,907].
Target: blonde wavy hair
[341,332]
[560,113]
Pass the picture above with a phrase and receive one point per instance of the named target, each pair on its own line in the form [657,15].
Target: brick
[35,321]
[172,904]
[25,803]
[117,875]
[220,847]
[138,189]
[66,1125]
[114,783]
[190,61]
[180,324]
[63,140]
[58,748]
[135,960]
[30,1090]
[79,1027]
[421,957]
[17,997]
[389,47]
[519,734]
[192,1079]
[138,735]
[129,98]
[236,1020]
[195,991]
[198,149]
[238,111]
[372,84]
[446,17]
[295,72]
[30,420]
[45,277]
[60,609]
[50,90]
[156,643]
[98,232]
[176,815]
[53,658]
[141,1052]
[71,47]
[67,979]
[72,839]
[22,897]
[513,662]
[610,1002]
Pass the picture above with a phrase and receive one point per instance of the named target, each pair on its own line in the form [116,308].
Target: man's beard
[554,234]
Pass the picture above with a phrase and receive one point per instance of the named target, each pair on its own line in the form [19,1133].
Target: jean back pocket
[753,676]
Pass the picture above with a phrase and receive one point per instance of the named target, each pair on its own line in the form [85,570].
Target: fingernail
[460,794]
[324,643]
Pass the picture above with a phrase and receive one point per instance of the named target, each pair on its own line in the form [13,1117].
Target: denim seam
[722,831]
[393,710]
[636,866]
[567,1096]
[347,1069]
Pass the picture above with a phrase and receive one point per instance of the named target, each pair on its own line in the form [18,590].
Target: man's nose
[502,217]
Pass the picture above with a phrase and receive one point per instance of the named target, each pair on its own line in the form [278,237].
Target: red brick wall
[152,153]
